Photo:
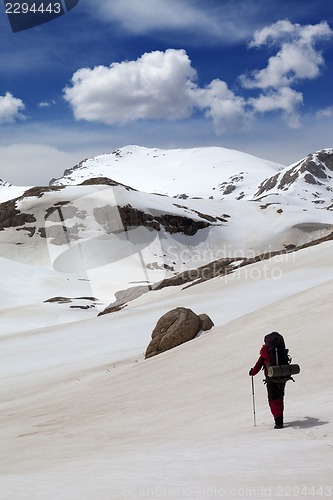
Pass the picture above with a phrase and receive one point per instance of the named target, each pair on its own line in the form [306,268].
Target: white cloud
[221,105]
[274,33]
[158,85]
[292,63]
[46,104]
[325,113]
[284,99]
[163,85]
[284,31]
[138,16]
[183,17]
[297,59]
[155,86]
[10,108]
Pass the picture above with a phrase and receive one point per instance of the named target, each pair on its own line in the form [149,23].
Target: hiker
[275,389]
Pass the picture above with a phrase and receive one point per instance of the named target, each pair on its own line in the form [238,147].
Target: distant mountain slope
[263,206]
[8,191]
[308,182]
[209,172]
[122,239]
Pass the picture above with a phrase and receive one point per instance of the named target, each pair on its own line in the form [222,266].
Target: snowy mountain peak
[206,172]
[309,180]
[4,183]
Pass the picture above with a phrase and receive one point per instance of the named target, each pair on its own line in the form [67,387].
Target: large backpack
[279,366]
[276,348]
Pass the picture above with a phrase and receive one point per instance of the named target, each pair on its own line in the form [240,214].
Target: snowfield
[83,415]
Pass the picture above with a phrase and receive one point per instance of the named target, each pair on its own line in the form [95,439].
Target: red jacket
[263,360]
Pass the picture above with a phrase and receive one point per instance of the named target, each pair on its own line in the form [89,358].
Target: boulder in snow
[174,328]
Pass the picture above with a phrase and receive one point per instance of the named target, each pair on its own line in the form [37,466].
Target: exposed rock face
[314,170]
[11,217]
[172,223]
[104,181]
[174,328]
[4,183]
[31,214]
[78,302]
[230,185]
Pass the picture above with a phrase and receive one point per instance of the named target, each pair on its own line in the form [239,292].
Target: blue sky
[252,75]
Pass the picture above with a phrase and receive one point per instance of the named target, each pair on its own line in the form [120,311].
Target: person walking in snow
[275,389]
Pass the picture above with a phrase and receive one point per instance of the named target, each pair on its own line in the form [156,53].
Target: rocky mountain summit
[310,180]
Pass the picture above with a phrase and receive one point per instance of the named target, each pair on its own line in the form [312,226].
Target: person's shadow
[306,423]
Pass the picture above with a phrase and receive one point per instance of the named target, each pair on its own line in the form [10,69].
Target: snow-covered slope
[105,233]
[8,191]
[116,238]
[308,182]
[85,416]
[200,172]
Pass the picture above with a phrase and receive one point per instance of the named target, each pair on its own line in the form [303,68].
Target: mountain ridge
[86,222]
[170,172]
[313,173]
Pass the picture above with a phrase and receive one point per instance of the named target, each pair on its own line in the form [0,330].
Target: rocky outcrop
[32,213]
[10,216]
[39,191]
[105,181]
[77,302]
[316,170]
[172,223]
[174,328]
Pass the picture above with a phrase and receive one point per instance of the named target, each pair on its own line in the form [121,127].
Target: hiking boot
[278,423]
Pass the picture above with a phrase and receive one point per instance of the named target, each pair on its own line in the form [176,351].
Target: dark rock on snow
[174,328]
[206,322]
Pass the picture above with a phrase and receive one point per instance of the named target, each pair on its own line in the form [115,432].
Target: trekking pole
[254,406]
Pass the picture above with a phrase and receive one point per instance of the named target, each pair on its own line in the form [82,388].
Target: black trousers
[275,390]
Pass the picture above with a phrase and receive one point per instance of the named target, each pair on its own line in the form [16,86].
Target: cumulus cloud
[155,86]
[283,99]
[297,59]
[284,31]
[164,85]
[221,105]
[158,85]
[10,108]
